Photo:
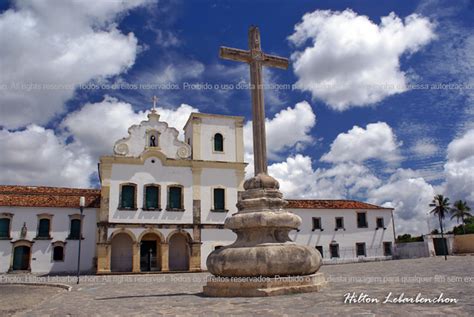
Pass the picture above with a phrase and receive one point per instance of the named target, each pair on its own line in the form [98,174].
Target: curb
[58,285]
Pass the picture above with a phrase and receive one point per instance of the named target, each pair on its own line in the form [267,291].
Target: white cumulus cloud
[376,141]
[459,168]
[96,126]
[345,59]
[50,47]
[37,156]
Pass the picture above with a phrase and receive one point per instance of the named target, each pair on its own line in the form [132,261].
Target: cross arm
[275,61]
[234,54]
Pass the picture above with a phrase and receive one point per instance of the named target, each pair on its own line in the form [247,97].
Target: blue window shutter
[75,229]
[43,229]
[175,198]
[4,228]
[151,197]
[128,197]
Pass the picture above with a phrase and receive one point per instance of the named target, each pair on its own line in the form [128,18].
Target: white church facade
[161,206]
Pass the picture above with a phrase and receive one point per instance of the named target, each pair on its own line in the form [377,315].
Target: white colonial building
[162,204]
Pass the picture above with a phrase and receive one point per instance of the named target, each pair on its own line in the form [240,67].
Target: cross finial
[155,100]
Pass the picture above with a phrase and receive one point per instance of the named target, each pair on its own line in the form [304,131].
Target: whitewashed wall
[41,252]
[210,179]
[146,174]
[211,126]
[345,238]
[211,238]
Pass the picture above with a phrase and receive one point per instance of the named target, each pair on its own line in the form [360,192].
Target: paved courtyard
[179,294]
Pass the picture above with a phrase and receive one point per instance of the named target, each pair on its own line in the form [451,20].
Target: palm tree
[461,211]
[441,209]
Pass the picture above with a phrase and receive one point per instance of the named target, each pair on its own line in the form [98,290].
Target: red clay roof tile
[330,204]
[41,196]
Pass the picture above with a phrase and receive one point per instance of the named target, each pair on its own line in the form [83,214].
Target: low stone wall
[411,250]
[463,244]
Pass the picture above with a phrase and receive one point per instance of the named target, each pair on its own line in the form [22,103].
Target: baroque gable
[152,134]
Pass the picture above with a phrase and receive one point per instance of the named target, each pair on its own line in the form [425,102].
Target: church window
[152,197]
[152,138]
[219,199]
[361,220]
[316,223]
[75,229]
[380,223]
[5,228]
[127,196]
[334,250]
[339,223]
[320,249]
[175,198]
[44,225]
[58,253]
[360,248]
[218,143]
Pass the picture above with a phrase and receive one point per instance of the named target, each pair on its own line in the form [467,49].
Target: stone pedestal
[264,286]
[263,247]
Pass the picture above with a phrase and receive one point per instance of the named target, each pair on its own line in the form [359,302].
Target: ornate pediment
[154,135]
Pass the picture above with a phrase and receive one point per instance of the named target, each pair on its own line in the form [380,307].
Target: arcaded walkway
[179,294]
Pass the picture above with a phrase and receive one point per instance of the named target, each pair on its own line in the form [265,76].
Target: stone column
[136,257]
[164,257]
[195,259]
[103,258]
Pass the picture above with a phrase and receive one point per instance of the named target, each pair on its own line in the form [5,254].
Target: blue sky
[390,146]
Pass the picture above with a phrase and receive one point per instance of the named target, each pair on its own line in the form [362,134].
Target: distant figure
[152,141]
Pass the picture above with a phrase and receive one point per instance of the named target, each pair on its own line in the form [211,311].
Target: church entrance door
[122,253]
[21,258]
[178,253]
[150,257]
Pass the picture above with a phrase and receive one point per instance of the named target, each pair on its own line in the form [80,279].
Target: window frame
[320,227]
[158,206]
[321,250]
[120,206]
[214,143]
[48,217]
[9,217]
[81,220]
[377,223]
[62,245]
[168,191]
[214,209]
[363,244]
[338,254]
[156,134]
[357,219]
[336,228]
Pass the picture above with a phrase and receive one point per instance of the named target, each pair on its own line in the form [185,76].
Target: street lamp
[82,203]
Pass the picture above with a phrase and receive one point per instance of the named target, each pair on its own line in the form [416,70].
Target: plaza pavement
[179,294]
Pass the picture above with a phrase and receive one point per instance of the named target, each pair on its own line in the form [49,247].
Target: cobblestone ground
[179,294]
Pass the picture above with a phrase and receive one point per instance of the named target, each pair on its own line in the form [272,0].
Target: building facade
[162,204]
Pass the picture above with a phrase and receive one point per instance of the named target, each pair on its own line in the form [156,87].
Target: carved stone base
[268,259]
[264,286]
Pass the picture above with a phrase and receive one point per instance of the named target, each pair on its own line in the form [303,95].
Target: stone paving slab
[180,294]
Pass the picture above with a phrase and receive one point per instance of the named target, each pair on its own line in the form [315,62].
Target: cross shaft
[256,58]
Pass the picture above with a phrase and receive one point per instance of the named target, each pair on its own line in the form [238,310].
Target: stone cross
[155,100]
[256,58]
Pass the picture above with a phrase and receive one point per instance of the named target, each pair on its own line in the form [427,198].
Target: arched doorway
[178,252]
[150,255]
[122,253]
[21,258]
